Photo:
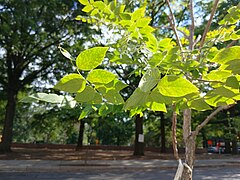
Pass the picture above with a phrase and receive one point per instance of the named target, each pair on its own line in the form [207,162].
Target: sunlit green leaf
[87,8]
[227,54]
[138,14]
[100,76]
[137,99]
[149,79]
[84,2]
[113,97]
[89,95]
[175,86]
[71,83]
[217,75]
[91,58]
[217,100]
[155,106]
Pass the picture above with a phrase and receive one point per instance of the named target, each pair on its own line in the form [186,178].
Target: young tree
[186,73]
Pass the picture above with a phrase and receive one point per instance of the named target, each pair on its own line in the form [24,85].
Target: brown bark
[80,135]
[163,134]
[189,141]
[7,134]
[138,146]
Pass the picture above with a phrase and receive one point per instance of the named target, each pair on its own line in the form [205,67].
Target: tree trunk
[138,146]
[190,143]
[163,135]
[234,147]
[190,146]
[227,146]
[7,134]
[80,134]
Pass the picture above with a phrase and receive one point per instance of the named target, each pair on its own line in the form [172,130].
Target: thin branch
[231,43]
[192,26]
[174,133]
[214,113]
[172,21]
[209,23]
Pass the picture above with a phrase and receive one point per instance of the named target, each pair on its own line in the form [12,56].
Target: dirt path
[90,154]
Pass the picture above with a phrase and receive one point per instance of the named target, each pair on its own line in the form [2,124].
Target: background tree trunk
[163,135]
[80,135]
[138,146]
[7,134]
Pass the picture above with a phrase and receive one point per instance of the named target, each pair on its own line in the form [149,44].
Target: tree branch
[231,43]
[214,113]
[209,23]
[192,26]
[172,21]
[174,133]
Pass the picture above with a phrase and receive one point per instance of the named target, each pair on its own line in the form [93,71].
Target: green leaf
[113,97]
[156,59]
[51,98]
[225,92]
[99,5]
[91,58]
[155,106]
[227,54]
[143,22]
[125,16]
[232,82]
[84,2]
[136,111]
[87,8]
[149,79]
[66,53]
[175,86]
[217,100]
[217,75]
[105,109]
[233,66]
[100,76]
[71,83]
[89,95]
[199,105]
[87,110]
[233,15]
[138,14]
[137,99]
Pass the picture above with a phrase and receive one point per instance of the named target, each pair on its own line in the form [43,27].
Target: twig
[174,133]
[214,113]
[192,26]
[172,21]
[209,23]
[231,43]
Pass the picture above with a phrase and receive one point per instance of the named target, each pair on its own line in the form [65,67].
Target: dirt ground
[90,154]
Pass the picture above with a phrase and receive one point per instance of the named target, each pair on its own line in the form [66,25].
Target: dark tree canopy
[30,33]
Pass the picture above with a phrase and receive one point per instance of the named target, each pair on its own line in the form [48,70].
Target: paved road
[224,173]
